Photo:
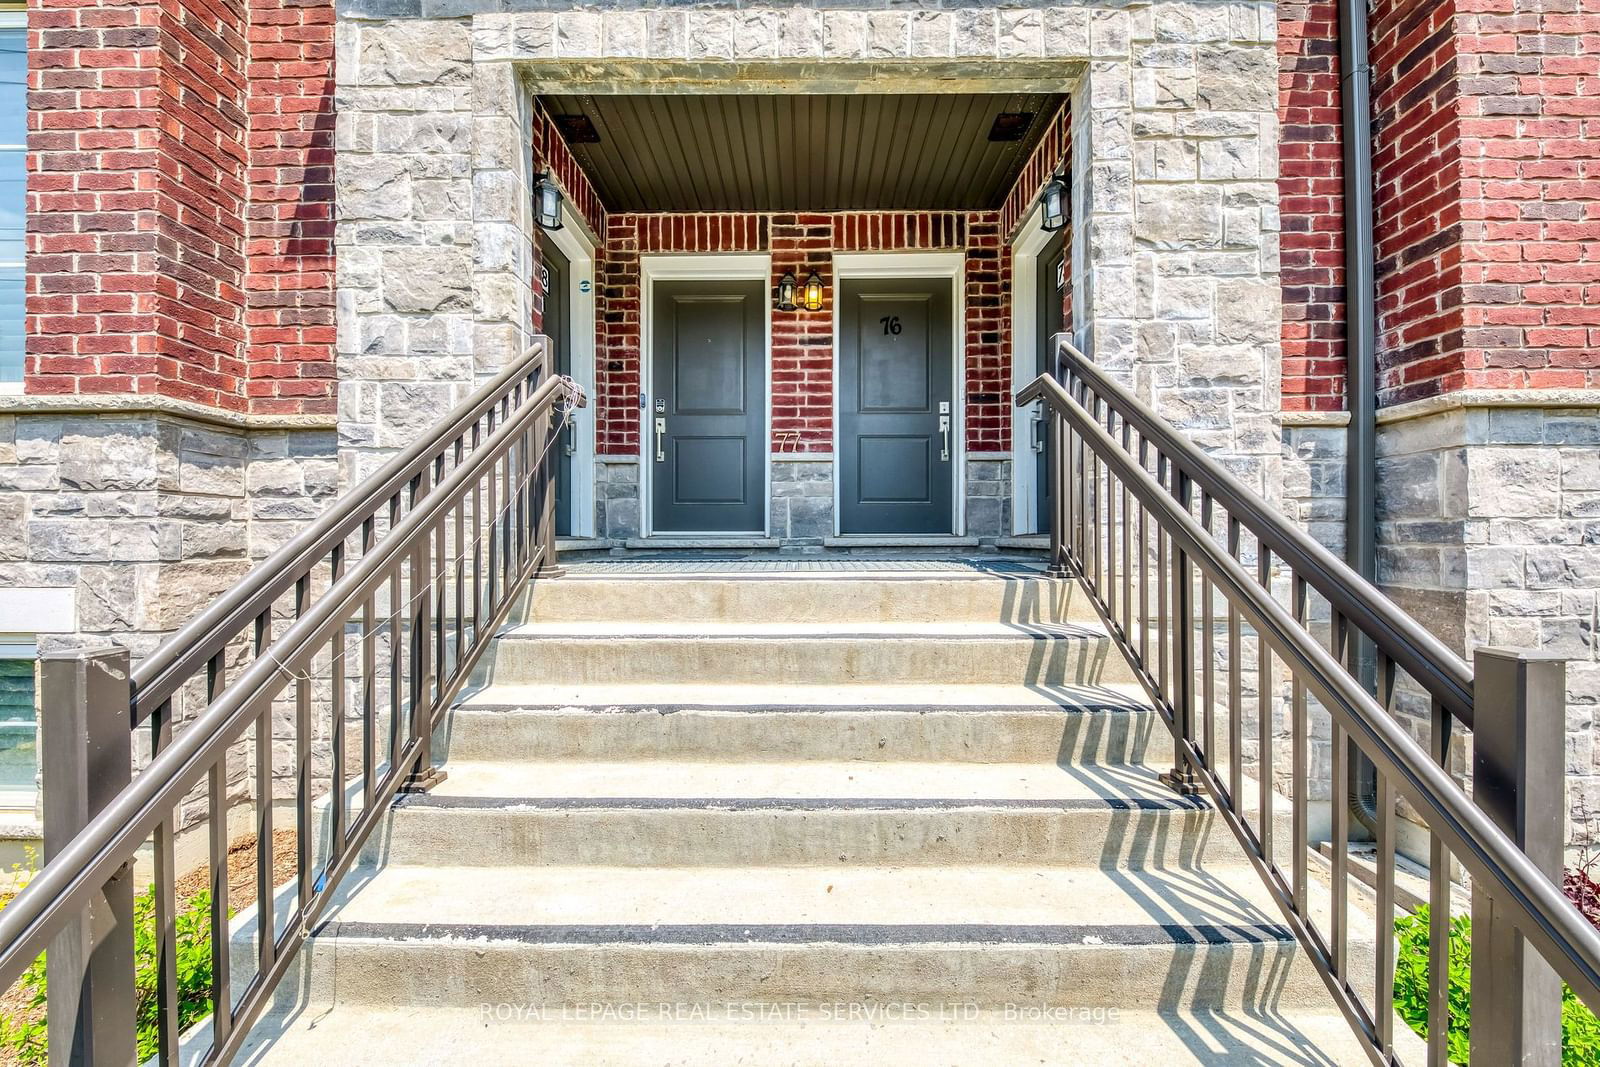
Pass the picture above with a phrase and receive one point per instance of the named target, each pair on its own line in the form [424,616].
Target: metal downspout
[1361,349]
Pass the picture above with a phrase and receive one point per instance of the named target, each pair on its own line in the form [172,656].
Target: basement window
[19,723]
[13,155]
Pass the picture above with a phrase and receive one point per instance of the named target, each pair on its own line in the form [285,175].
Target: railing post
[1519,780]
[544,477]
[1055,469]
[1182,778]
[87,753]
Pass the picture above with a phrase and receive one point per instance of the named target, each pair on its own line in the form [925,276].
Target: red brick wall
[289,309]
[802,341]
[153,147]
[1311,204]
[1487,197]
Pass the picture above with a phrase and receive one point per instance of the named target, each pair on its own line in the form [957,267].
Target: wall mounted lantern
[786,293]
[1053,204]
[813,293]
[547,202]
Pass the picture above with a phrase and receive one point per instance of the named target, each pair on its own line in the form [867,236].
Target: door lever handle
[661,440]
[944,430]
[570,445]
[1036,428]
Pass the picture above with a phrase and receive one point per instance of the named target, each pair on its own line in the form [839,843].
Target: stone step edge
[428,801]
[812,934]
[554,632]
[1108,707]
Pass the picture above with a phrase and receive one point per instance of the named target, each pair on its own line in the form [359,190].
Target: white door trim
[911,265]
[574,242]
[1031,240]
[671,266]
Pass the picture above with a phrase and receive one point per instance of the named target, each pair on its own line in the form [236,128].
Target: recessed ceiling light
[1010,125]
[576,129]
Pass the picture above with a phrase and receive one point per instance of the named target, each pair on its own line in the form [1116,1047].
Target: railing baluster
[1339,832]
[1265,695]
[1300,744]
[217,802]
[166,903]
[1163,596]
[1182,778]
[491,561]
[337,699]
[369,679]
[477,544]
[460,568]
[302,755]
[396,645]
[1144,568]
[266,934]
[1383,977]
[1208,622]
[1112,577]
[1235,686]
[1127,540]
[1439,909]
[441,599]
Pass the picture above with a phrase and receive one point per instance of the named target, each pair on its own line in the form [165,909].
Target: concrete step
[672,813]
[761,1034]
[573,654]
[995,724]
[822,597]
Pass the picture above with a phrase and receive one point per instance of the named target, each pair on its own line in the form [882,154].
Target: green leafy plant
[1580,1029]
[23,1032]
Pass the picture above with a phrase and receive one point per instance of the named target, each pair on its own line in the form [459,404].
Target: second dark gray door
[1051,294]
[897,424]
[554,273]
[704,428]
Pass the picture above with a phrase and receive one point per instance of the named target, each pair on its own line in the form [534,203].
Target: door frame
[574,242]
[1031,240]
[726,266]
[913,265]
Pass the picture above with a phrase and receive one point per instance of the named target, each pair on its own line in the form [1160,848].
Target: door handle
[661,440]
[570,446]
[944,430]
[1036,427]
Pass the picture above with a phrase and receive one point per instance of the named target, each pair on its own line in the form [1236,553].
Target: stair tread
[576,779]
[712,696]
[837,631]
[362,1034]
[808,904]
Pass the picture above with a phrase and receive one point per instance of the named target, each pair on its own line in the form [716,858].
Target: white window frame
[23,647]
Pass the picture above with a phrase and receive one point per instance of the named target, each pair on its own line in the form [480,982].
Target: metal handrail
[1091,472]
[1427,659]
[158,676]
[433,497]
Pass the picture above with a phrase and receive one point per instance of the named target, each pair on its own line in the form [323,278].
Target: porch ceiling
[803,152]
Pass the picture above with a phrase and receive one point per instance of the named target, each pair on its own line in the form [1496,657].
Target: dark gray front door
[704,427]
[897,422]
[1050,291]
[555,272]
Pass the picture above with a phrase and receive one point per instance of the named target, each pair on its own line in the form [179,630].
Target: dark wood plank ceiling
[802,153]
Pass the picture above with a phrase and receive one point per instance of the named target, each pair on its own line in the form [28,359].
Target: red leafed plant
[1579,882]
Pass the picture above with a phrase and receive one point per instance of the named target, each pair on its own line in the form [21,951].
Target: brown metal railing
[368,622]
[1179,558]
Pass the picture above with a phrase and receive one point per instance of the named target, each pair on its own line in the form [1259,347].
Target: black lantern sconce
[812,299]
[1053,204]
[792,296]
[547,202]
[786,293]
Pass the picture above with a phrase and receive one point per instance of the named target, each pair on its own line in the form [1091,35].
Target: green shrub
[1580,1030]
[25,1035]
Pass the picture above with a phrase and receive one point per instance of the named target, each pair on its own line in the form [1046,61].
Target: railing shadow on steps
[1162,539]
[395,592]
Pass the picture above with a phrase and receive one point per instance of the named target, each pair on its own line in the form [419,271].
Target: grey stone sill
[668,541]
[1491,398]
[20,826]
[124,406]
[900,541]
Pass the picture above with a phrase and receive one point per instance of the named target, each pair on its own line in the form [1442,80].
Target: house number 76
[891,324]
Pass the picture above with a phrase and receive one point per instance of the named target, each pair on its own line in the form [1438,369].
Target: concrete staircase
[905,815]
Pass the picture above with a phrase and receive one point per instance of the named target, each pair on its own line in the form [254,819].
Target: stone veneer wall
[1174,130]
